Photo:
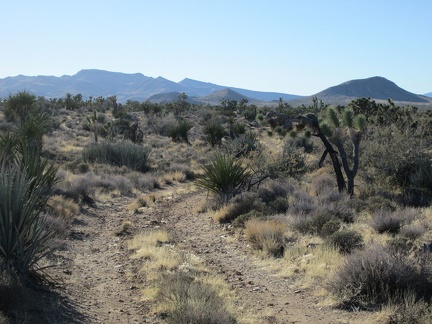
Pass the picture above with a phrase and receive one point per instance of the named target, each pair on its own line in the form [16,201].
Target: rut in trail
[224,254]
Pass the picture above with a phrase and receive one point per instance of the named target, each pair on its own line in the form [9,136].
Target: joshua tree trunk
[334,157]
[312,121]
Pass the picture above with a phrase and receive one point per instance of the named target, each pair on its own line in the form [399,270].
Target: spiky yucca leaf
[224,175]
[332,117]
[23,231]
[348,117]
[360,122]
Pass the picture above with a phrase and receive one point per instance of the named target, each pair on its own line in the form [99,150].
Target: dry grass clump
[266,235]
[177,284]
[142,201]
[191,300]
[155,249]
[63,207]
[310,258]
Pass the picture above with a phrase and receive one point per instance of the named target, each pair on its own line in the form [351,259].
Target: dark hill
[376,88]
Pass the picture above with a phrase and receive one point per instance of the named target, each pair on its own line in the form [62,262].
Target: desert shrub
[191,301]
[279,205]
[275,196]
[266,235]
[236,129]
[133,156]
[376,203]
[292,161]
[24,236]
[401,244]
[345,240]
[400,160]
[273,190]
[19,106]
[301,142]
[302,204]
[244,204]
[413,231]
[418,192]
[224,176]
[144,182]
[280,131]
[82,187]
[243,144]
[340,210]
[323,184]
[411,312]
[250,113]
[240,221]
[391,221]
[377,276]
[214,132]
[179,132]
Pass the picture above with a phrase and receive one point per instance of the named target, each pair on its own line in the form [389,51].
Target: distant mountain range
[139,87]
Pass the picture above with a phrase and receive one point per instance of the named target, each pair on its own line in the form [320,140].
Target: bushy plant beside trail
[133,156]
[380,276]
[24,235]
[266,235]
[224,176]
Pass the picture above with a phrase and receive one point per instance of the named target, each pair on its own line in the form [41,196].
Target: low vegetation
[336,198]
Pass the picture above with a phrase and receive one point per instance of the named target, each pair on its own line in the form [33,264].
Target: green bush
[345,240]
[236,129]
[244,144]
[179,132]
[133,156]
[19,106]
[214,132]
[224,175]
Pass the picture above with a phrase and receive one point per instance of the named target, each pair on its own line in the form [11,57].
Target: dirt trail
[94,267]
[255,287]
[95,273]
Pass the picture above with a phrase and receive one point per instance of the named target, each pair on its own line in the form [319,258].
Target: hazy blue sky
[298,47]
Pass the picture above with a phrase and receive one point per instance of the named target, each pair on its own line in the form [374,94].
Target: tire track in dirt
[231,257]
[95,267]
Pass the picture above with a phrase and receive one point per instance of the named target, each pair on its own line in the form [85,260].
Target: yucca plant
[224,175]
[24,234]
[179,132]
[214,132]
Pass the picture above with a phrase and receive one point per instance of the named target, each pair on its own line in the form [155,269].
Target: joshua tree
[346,130]
[92,122]
[331,130]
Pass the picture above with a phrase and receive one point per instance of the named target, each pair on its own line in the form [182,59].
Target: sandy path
[103,283]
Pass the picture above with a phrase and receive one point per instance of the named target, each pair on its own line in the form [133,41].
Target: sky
[292,46]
